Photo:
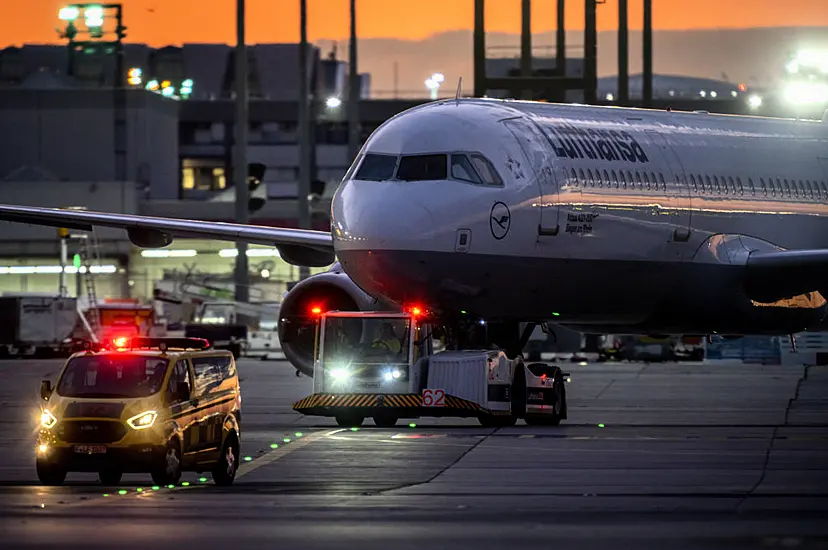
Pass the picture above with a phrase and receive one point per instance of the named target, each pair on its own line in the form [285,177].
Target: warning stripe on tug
[377,400]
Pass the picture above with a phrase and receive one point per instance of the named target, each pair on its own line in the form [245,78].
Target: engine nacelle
[143,237]
[329,291]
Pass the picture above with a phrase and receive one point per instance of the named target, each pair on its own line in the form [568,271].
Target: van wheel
[349,420]
[50,473]
[169,469]
[224,472]
[110,477]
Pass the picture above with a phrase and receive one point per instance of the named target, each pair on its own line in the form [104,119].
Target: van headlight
[143,420]
[47,420]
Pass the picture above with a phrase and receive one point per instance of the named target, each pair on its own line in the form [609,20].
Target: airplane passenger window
[485,170]
[422,168]
[462,169]
[377,167]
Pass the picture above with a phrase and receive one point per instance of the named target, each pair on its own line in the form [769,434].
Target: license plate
[90,449]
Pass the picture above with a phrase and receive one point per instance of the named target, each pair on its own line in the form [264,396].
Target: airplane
[598,219]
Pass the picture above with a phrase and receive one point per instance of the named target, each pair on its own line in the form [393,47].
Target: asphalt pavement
[652,456]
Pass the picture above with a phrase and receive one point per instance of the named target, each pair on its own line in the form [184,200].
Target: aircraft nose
[379,215]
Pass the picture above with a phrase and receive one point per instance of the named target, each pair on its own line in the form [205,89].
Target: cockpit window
[377,167]
[486,170]
[422,167]
[462,169]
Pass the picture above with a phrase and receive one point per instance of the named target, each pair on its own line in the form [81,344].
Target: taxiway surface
[652,456]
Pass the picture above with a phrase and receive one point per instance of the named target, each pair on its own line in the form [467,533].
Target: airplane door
[536,150]
[677,192]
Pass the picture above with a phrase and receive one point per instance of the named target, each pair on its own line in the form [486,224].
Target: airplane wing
[296,246]
[782,274]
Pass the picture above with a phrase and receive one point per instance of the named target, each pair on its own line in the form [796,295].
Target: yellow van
[147,405]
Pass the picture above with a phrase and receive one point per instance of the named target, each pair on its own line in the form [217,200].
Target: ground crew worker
[387,339]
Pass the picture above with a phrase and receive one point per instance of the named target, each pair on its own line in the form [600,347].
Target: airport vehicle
[382,365]
[602,220]
[155,405]
[38,325]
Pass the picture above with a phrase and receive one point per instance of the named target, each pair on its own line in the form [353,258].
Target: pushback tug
[384,366]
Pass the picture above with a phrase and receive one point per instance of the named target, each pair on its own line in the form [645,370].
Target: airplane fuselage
[591,217]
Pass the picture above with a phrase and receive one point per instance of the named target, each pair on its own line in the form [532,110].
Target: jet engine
[329,291]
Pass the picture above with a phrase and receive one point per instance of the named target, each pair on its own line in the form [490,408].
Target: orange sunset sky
[161,22]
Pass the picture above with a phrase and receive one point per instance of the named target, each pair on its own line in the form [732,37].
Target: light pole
[242,275]
[304,129]
[354,90]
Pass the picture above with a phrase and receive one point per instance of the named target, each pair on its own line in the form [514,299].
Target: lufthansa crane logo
[500,220]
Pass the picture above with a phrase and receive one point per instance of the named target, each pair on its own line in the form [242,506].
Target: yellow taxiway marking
[246,468]
[276,454]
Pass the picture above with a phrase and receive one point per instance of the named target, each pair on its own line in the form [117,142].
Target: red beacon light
[316,310]
[121,342]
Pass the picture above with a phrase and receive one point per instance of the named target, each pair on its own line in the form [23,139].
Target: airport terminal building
[165,151]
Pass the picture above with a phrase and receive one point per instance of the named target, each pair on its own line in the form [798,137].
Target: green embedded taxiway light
[122,492]
[274,446]
[298,434]
[354,429]
[412,425]
[600,425]
[248,458]
[203,479]
[155,487]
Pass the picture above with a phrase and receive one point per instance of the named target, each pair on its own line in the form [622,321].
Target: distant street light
[433,84]
[333,103]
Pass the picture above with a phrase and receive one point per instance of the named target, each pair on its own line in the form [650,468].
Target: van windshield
[112,376]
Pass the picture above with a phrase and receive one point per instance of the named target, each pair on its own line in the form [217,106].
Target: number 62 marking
[434,398]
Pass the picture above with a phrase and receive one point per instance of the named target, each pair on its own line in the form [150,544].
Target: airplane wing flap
[783,274]
[298,246]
